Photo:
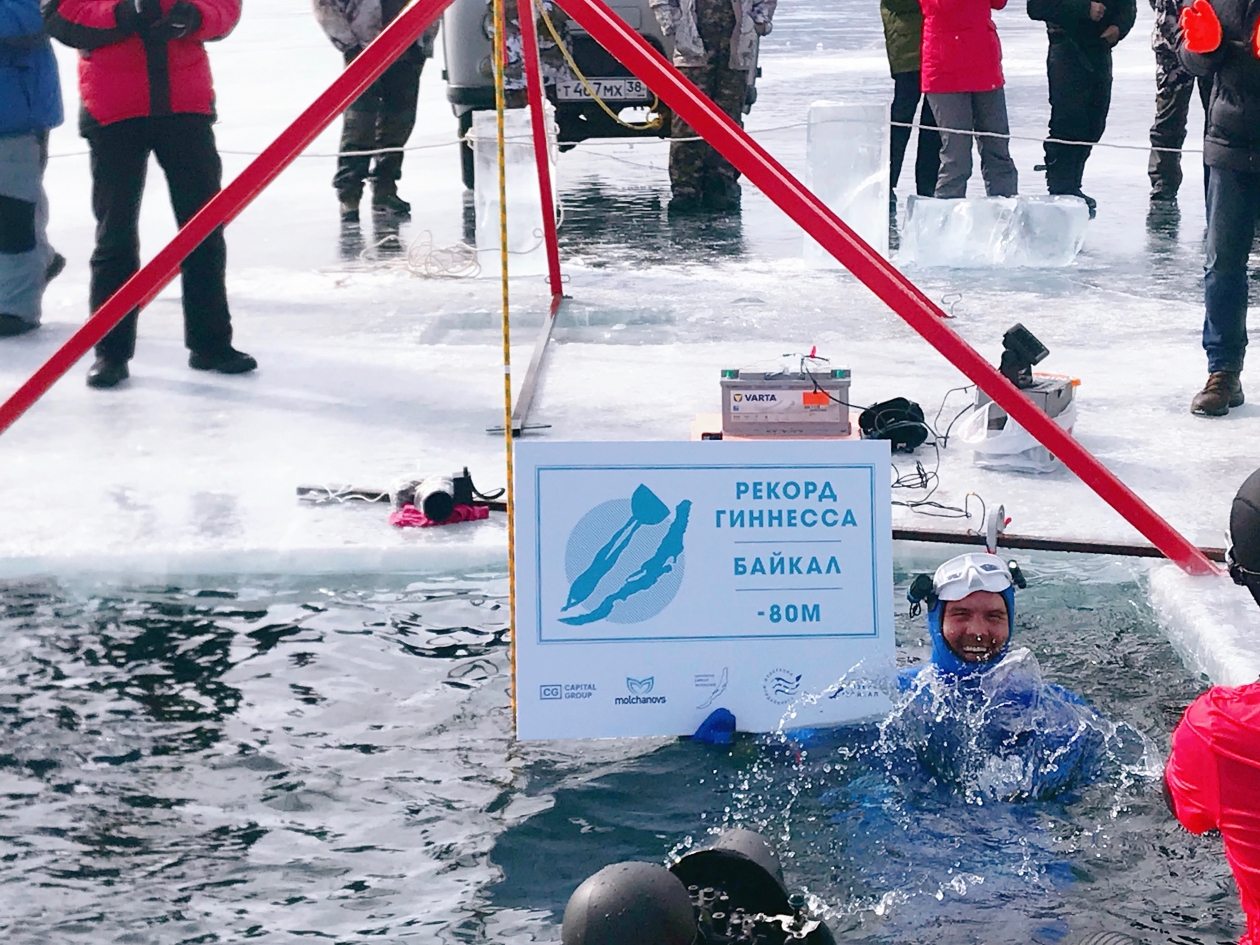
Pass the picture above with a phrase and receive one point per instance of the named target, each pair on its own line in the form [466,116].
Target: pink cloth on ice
[411,517]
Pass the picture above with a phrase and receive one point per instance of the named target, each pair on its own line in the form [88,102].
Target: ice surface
[981,232]
[1212,622]
[526,248]
[369,374]
[847,158]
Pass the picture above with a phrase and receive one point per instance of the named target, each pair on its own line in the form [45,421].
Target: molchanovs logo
[624,560]
[780,685]
[639,689]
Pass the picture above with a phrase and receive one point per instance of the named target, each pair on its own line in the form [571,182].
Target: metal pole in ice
[847,150]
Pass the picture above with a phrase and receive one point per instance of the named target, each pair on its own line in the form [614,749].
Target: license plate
[616,89]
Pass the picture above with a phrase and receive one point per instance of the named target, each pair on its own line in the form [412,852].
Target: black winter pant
[1172,111]
[184,147]
[382,117]
[1080,96]
[927,162]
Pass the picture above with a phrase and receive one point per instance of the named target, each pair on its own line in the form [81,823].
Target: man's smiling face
[976,628]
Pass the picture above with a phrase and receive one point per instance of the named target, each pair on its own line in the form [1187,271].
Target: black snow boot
[54,268]
[684,203]
[228,361]
[105,373]
[389,204]
[722,195]
[11,325]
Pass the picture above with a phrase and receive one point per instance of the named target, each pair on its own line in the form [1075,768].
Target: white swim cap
[960,576]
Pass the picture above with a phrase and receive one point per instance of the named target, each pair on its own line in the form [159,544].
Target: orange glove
[1200,29]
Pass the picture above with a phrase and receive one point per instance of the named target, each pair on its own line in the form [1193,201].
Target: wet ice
[993,232]
[847,155]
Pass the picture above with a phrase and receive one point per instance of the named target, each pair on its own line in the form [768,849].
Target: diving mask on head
[960,576]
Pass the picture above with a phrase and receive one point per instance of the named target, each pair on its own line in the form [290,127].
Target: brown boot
[1222,391]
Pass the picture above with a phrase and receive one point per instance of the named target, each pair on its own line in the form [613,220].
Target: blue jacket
[30,91]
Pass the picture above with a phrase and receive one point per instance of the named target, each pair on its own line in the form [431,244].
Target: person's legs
[953,111]
[119,160]
[1231,206]
[905,101]
[1070,99]
[687,158]
[927,164]
[696,170]
[1205,96]
[400,89]
[24,251]
[185,149]
[1099,87]
[358,133]
[1001,178]
[1173,91]
[721,189]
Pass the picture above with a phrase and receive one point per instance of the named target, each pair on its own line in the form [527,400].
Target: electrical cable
[921,477]
[652,124]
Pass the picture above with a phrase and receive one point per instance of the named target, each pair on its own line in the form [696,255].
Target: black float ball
[1244,528]
[630,904]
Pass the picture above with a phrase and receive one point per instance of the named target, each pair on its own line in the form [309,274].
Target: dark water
[279,760]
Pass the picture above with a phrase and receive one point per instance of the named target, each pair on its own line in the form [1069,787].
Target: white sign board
[659,581]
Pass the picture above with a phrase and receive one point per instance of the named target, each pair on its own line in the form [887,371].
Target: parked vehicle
[467,28]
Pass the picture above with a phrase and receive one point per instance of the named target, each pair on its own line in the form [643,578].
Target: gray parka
[678,19]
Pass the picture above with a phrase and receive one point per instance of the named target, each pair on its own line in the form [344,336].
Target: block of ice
[847,148]
[527,252]
[981,232]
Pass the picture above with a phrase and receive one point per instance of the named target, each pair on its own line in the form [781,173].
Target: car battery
[785,404]
[1053,393]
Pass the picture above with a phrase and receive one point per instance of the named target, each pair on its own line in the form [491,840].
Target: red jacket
[961,50]
[1213,776]
[121,76]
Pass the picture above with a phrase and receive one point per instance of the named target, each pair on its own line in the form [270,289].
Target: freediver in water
[979,717]
[1212,780]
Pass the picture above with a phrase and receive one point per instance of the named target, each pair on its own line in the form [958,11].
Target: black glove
[183,20]
[127,16]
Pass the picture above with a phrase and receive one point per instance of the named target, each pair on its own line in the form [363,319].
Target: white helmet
[960,576]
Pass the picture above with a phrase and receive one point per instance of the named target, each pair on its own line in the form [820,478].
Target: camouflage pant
[382,117]
[1174,91]
[695,165]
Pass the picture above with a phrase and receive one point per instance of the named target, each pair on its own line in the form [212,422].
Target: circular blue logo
[624,560]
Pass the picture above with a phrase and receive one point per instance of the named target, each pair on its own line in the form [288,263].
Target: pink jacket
[961,50]
[1213,775]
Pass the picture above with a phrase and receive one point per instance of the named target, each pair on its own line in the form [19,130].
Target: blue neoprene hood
[949,662]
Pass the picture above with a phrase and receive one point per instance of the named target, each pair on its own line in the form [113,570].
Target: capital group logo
[624,560]
[639,690]
[549,692]
[781,685]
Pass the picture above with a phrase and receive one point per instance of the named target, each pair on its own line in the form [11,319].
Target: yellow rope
[499,106]
[652,124]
